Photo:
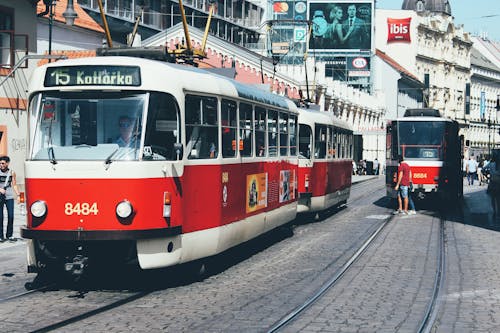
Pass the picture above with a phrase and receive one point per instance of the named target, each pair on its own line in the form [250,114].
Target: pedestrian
[8,187]
[480,177]
[375,166]
[471,170]
[403,187]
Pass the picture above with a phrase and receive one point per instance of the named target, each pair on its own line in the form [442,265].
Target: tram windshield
[419,139]
[103,126]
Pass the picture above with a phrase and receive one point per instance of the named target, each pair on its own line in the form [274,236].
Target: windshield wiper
[108,159]
[52,157]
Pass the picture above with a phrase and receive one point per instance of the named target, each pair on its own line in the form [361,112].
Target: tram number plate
[80,208]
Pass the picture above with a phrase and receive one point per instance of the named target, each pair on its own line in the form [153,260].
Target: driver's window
[162,128]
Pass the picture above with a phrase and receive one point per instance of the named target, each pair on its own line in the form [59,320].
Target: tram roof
[425,118]
[178,77]
[310,117]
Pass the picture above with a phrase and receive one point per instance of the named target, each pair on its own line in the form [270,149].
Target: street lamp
[49,9]
[70,14]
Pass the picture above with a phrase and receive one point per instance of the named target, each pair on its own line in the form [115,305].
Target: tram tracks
[93,312]
[328,284]
[430,316]
[431,312]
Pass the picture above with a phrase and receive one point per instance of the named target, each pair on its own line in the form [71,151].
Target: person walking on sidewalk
[471,170]
[8,187]
[403,187]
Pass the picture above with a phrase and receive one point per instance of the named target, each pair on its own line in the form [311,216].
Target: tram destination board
[93,76]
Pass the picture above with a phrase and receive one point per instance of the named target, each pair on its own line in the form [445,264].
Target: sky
[477,16]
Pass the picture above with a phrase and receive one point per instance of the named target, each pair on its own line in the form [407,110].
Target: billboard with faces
[341,25]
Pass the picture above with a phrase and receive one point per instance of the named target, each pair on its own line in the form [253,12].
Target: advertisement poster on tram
[287,185]
[256,192]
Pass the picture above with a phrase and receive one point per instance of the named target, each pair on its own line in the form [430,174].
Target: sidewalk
[478,208]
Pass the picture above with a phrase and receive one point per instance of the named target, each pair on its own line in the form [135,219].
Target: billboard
[341,25]
[289,25]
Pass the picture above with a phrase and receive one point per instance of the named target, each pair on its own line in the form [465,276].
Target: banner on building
[482,105]
[398,30]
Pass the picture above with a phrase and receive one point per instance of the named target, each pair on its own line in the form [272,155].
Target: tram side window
[260,131]
[344,145]
[320,141]
[330,146]
[305,140]
[283,127]
[228,123]
[246,129]
[201,127]
[162,128]
[351,138]
[340,138]
[293,135]
[272,132]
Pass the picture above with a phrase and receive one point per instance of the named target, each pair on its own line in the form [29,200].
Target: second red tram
[325,161]
[431,146]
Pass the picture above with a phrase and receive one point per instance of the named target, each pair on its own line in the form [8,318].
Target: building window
[6,36]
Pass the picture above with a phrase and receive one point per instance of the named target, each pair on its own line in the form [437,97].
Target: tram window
[85,125]
[283,127]
[162,128]
[201,127]
[331,142]
[246,129]
[272,132]
[320,141]
[351,154]
[260,131]
[344,145]
[293,135]
[228,124]
[418,139]
[305,140]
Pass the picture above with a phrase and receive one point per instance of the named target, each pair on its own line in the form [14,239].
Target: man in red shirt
[403,185]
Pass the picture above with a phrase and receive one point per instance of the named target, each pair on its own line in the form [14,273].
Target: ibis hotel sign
[92,76]
[398,30]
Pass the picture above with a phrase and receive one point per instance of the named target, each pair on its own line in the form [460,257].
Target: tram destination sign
[92,76]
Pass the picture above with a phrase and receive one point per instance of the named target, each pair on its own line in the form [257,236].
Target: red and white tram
[325,161]
[208,163]
[431,146]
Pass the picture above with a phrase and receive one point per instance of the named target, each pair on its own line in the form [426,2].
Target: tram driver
[127,137]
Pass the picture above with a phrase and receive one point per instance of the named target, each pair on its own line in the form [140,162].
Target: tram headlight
[124,209]
[38,208]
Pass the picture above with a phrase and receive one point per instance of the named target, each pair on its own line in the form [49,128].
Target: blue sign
[482,105]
